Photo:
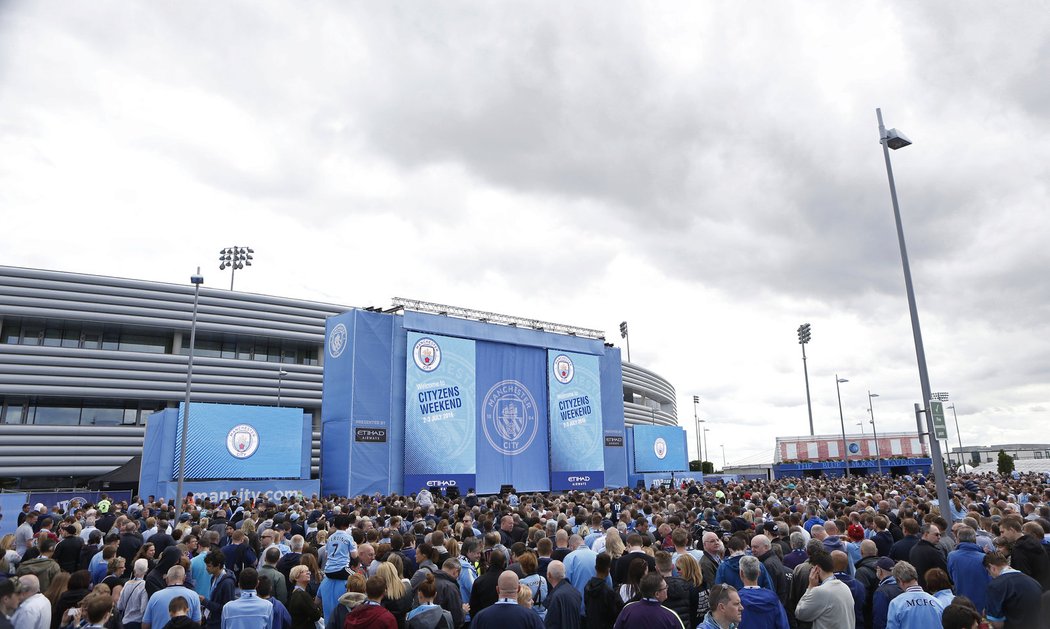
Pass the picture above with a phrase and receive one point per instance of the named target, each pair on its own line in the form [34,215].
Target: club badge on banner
[440,433]
[574,385]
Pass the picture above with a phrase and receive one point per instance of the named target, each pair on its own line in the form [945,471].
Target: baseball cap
[855,532]
[886,563]
[771,527]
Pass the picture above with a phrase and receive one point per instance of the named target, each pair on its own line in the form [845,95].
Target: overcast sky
[709,172]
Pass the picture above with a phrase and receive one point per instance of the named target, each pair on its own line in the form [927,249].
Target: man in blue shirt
[156,615]
[249,611]
[506,612]
[913,608]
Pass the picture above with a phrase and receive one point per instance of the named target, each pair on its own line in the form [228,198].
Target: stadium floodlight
[803,338]
[493,317]
[625,335]
[235,258]
[196,280]
[896,140]
[942,396]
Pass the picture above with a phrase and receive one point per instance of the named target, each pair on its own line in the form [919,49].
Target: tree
[708,467]
[1006,463]
[694,466]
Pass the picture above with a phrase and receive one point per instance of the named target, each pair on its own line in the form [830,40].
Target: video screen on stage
[659,449]
[234,441]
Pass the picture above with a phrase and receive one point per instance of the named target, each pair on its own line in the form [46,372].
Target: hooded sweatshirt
[347,602]
[370,615]
[155,579]
[429,617]
[762,609]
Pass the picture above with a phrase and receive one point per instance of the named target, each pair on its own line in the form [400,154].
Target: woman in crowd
[691,574]
[939,585]
[398,597]
[79,587]
[301,604]
[316,575]
[133,598]
[635,571]
[427,615]
[536,583]
[148,552]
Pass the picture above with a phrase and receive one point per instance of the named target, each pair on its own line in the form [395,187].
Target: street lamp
[803,338]
[696,419]
[706,451]
[874,434]
[624,335]
[861,424]
[893,139]
[842,422]
[280,376]
[958,433]
[235,258]
[723,457]
[196,280]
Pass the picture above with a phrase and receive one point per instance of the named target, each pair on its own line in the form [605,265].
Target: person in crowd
[537,584]
[428,615]
[926,555]
[248,611]
[762,607]
[399,597]
[729,569]
[281,618]
[10,590]
[901,550]
[133,598]
[179,615]
[966,567]
[485,591]
[1027,554]
[798,554]
[67,551]
[371,614]
[506,612]
[762,547]
[727,609]
[34,611]
[79,586]
[268,569]
[960,616]
[300,602]
[601,603]
[887,590]
[1014,598]
[223,588]
[648,611]
[828,602]
[564,601]
[354,596]
[940,586]
[156,614]
[43,567]
[841,562]
[913,608]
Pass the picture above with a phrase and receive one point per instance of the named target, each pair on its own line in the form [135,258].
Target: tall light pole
[893,139]
[624,335]
[235,258]
[874,434]
[803,338]
[723,457]
[196,280]
[861,424]
[958,434]
[707,452]
[280,376]
[696,419]
[842,422]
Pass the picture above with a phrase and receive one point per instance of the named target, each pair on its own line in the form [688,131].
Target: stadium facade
[85,360]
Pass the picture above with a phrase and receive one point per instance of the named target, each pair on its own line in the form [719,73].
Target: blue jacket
[223,591]
[914,609]
[762,610]
[967,572]
[248,612]
[860,595]
[729,572]
[884,594]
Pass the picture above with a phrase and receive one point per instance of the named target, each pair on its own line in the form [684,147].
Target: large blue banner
[234,441]
[440,437]
[512,412]
[574,385]
[659,449]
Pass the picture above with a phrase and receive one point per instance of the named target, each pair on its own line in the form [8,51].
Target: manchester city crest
[242,441]
[426,354]
[854,447]
[660,448]
[509,417]
[337,341]
[563,369]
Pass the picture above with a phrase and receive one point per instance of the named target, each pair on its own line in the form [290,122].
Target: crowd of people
[863,552]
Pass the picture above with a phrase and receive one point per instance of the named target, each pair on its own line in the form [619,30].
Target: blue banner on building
[440,437]
[574,386]
[512,418]
[234,441]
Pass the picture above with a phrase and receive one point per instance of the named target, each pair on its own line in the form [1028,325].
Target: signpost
[940,430]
